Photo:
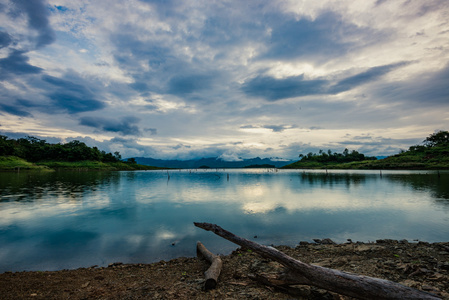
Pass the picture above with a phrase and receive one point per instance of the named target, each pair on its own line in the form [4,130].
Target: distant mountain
[211,162]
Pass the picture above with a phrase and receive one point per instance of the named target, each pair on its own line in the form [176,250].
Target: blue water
[67,220]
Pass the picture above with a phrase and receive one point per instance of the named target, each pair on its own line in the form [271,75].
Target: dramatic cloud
[324,37]
[275,89]
[14,110]
[37,17]
[5,39]
[17,64]
[72,97]
[125,126]
[230,79]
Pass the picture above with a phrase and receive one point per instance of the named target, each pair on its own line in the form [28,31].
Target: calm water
[66,220]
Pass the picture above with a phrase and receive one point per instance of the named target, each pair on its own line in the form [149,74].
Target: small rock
[437,277]
[428,288]
[318,241]
[386,241]
[303,243]
[115,264]
[328,242]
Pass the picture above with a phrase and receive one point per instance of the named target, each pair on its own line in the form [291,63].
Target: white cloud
[185,71]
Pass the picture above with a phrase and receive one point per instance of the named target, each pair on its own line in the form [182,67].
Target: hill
[433,154]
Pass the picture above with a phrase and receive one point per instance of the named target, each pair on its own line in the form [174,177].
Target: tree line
[328,157]
[34,149]
[435,140]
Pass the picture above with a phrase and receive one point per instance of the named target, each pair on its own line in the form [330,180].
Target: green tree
[439,138]
[6,146]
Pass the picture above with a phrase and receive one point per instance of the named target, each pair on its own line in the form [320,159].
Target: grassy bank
[417,158]
[10,163]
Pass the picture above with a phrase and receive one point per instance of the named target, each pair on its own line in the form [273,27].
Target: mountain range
[212,162]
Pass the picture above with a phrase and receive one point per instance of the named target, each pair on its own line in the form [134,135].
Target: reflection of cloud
[312,191]
[165,235]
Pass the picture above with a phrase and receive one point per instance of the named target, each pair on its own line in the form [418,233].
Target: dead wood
[214,270]
[358,286]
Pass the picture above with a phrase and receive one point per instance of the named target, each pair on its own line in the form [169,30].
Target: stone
[327,242]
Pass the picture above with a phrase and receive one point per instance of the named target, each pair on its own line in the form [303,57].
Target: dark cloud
[426,90]
[326,36]
[37,14]
[186,84]
[152,131]
[431,90]
[278,128]
[130,51]
[380,2]
[72,97]
[125,127]
[14,110]
[364,77]
[275,89]
[17,63]
[5,39]
[74,104]
[274,128]
[27,103]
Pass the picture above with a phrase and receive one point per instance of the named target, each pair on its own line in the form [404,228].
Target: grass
[433,158]
[9,163]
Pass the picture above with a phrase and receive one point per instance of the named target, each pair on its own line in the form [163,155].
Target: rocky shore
[421,265]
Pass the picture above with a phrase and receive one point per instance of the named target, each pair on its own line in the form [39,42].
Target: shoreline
[421,265]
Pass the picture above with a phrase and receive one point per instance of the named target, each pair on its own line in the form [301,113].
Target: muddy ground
[419,265]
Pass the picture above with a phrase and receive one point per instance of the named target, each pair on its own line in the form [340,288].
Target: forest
[33,149]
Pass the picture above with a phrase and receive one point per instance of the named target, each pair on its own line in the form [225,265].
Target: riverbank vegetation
[432,154]
[35,154]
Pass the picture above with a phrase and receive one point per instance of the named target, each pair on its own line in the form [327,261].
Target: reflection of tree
[437,184]
[31,186]
[330,179]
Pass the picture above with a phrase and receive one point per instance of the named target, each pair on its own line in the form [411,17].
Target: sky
[230,79]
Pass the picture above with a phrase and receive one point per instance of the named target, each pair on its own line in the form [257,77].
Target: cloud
[125,126]
[274,128]
[72,97]
[230,156]
[192,74]
[327,36]
[17,64]
[276,89]
[187,84]
[5,39]
[37,14]
[152,131]
[369,75]
[14,110]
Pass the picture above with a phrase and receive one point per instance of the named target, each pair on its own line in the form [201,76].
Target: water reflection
[61,220]
[32,186]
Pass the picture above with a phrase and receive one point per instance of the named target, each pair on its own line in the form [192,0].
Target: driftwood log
[214,270]
[357,286]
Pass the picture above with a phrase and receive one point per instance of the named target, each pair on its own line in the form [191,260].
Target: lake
[67,220]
